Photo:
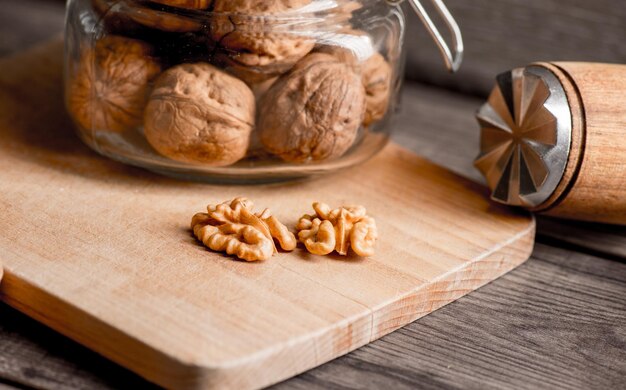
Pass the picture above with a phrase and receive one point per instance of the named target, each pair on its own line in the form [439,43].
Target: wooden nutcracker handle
[593,187]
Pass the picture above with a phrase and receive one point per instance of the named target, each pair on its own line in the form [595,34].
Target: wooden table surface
[558,321]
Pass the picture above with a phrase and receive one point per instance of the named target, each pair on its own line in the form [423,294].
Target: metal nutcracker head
[526,136]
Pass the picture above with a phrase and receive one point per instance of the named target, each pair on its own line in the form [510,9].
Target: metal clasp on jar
[452,60]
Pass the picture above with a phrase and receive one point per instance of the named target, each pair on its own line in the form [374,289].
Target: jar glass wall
[240,90]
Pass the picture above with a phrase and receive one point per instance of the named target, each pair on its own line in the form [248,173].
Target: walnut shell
[356,49]
[377,75]
[109,90]
[253,45]
[127,16]
[110,19]
[197,113]
[314,112]
[156,19]
[187,4]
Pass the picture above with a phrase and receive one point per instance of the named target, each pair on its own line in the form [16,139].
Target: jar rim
[313,9]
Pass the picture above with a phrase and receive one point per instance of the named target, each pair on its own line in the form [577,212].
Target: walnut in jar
[111,85]
[314,112]
[157,19]
[249,32]
[197,113]
[187,4]
[376,72]
[377,75]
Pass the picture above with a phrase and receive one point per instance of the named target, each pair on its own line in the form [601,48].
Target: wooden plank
[504,34]
[38,357]
[26,22]
[557,322]
[594,238]
[6,386]
[112,263]
[439,125]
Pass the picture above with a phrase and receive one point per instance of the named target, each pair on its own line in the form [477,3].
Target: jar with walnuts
[234,90]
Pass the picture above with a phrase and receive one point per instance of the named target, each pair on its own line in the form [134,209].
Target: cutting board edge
[84,328]
[177,373]
[519,248]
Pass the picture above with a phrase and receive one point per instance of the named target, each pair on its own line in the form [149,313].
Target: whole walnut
[257,43]
[197,113]
[377,75]
[156,19]
[110,86]
[111,20]
[188,4]
[355,48]
[314,112]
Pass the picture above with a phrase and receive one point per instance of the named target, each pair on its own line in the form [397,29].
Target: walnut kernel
[339,230]
[233,228]
[111,84]
[199,114]
[314,112]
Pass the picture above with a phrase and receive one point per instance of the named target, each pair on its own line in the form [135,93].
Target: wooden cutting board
[103,253]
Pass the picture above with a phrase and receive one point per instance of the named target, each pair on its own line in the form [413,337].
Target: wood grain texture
[113,265]
[439,125]
[9,386]
[504,34]
[556,322]
[577,141]
[38,357]
[598,189]
[594,238]
[422,128]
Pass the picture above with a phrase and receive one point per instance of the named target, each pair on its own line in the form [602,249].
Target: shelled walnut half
[199,114]
[109,89]
[232,227]
[339,230]
[314,112]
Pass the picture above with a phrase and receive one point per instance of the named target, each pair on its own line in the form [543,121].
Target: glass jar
[234,90]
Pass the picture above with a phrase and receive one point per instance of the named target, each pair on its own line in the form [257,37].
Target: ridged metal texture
[525,137]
